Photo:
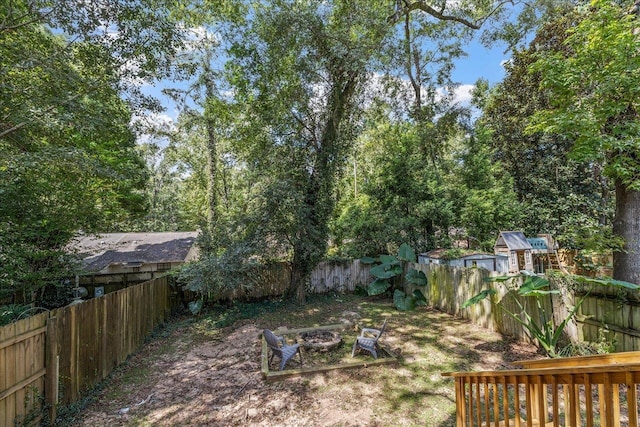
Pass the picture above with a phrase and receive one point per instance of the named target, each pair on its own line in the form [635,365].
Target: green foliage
[594,94]
[388,276]
[218,276]
[543,328]
[68,160]
[477,298]
[604,345]
[452,253]
[557,194]
[416,277]
[195,306]
[297,73]
[403,302]
[594,103]
[12,312]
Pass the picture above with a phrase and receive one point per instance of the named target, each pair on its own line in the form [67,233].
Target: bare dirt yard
[197,372]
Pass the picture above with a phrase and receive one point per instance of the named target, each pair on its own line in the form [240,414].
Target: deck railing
[577,391]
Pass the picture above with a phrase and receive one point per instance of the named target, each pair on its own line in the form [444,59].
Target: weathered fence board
[86,341]
[616,319]
[339,277]
[60,354]
[22,367]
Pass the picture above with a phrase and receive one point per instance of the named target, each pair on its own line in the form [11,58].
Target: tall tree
[567,197]
[302,72]
[68,160]
[594,101]
[67,156]
[200,93]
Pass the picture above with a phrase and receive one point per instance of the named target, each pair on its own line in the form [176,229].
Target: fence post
[52,365]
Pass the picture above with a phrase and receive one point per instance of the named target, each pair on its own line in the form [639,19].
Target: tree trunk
[300,271]
[626,265]
[311,239]
[212,156]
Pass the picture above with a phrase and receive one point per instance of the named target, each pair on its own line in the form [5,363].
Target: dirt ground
[179,380]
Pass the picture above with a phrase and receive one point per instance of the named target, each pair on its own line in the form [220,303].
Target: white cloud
[153,127]
[462,94]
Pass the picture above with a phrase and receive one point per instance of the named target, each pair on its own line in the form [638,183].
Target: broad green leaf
[498,279]
[532,283]
[368,260]
[416,277]
[403,302]
[476,299]
[539,293]
[606,282]
[381,272]
[378,287]
[420,298]
[389,259]
[195,306]
[406,253]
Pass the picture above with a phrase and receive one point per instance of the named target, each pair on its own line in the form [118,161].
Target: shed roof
[99,251]
[514,240]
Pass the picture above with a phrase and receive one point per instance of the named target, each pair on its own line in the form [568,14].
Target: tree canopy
[593,102]
[311,129]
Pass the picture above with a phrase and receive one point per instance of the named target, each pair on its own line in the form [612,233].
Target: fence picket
[94,337]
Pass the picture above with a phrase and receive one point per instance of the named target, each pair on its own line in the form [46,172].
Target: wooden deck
[586,391]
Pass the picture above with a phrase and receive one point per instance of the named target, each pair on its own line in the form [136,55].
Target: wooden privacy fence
[59,354]
[576,391]
[22,367]
[273,279]
[449,287]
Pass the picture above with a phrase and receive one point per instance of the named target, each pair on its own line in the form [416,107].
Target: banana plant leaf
[368,260]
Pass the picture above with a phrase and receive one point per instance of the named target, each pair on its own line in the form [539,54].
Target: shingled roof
[100,251]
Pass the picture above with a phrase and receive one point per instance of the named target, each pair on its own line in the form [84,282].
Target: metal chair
[279,348]
[368,340]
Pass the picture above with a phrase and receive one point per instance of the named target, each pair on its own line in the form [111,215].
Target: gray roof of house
[99,251]
[514,240]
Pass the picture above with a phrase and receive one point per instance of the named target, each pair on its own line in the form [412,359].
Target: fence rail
[575,391]
[59,354]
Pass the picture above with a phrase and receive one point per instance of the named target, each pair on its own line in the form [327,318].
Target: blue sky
[481,62]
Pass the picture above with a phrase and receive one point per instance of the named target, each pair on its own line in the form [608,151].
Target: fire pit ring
[320,340]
